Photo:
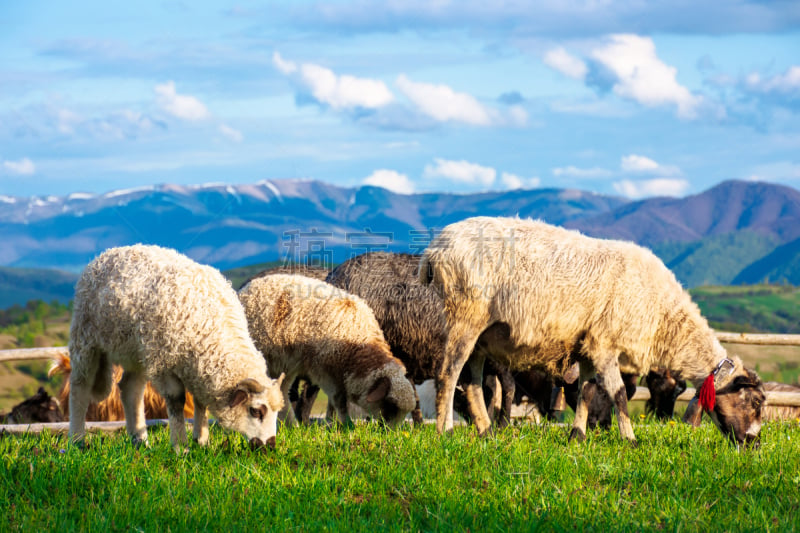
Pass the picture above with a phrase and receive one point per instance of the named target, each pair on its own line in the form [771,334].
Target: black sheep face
[41,407]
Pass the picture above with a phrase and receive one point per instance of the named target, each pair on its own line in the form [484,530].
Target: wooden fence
[780,399]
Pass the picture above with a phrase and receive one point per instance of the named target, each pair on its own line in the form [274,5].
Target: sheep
[541,390]
[302,400]
[540,295]
[411,316]
[111,408]
[774,412]
[41,407]
[664,391]
[165,318]
[308,328]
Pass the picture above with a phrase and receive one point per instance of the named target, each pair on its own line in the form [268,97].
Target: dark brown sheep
[41,407]
[411,316]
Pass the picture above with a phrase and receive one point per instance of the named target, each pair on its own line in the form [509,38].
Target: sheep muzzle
[258,444]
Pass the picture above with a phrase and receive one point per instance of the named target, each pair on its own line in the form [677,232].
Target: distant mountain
[709,238]
[765,209]
[782,265]
[19,285]
[734,232]
[229,226]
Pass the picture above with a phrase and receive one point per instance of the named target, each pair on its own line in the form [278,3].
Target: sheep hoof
[577,435]
[140,442]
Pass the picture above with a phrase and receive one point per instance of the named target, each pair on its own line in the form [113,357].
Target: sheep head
[737,409]
[252,409]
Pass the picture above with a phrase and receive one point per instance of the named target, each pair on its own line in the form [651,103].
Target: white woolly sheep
[543,296]
[308,328]
[164,318]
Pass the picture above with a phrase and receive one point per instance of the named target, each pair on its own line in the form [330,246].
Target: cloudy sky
[620,97]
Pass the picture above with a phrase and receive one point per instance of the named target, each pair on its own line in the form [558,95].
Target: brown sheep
[308,328]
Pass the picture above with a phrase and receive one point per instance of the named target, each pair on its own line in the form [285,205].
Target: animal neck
[688,345]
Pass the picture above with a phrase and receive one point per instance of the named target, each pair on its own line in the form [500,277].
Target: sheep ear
[694,412]
[379,390]
[243,390]
[279,381]
[238,397]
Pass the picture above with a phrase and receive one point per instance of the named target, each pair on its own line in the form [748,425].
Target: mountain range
[735,232]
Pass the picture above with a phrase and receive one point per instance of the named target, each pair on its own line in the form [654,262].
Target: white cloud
[339,92]
[230,133]
[575,172]
[565,63]
[642,76]
[178,105]
[23,167]
[461,171]
[781,83]
[442,103]
[653,187]
[391,180]
[512,181]
[640,164]
[286,67]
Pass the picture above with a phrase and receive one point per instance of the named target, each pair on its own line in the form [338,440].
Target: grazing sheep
[774,412]
[411,316]
[664,391]
[309,271]
[539,388]
[164,318]
[41,407]
[310,329]
[111,409]
[301,400]
[543,296]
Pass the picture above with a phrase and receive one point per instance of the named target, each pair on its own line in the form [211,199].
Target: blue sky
[619,97]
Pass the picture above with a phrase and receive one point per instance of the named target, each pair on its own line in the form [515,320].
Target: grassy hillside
[715,260]
[22,284]
[751,308]
[524,478]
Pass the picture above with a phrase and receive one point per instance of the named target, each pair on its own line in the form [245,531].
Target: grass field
[767,308]
[525,478]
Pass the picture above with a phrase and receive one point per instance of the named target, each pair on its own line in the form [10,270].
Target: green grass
[525,478]
[766,308]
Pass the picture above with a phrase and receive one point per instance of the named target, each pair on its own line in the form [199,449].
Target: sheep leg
[174,393]
[131,388]
[339,402]
[416,414]
[287,414]
[200,426]
[460,344]
[476,403]
[79,398]
[509,388]
[610,380]
[584,399]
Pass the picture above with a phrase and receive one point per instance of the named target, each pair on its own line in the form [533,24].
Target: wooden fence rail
[788,399]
